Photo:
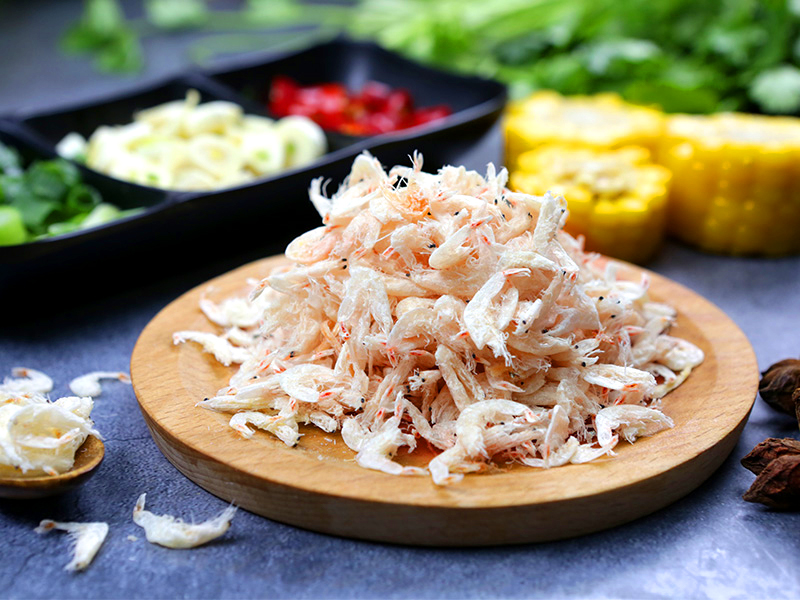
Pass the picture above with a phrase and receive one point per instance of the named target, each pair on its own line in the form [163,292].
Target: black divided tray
[181,228]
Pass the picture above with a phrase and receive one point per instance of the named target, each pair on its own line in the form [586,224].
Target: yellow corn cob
[600,121]
[736,186]
[616,198]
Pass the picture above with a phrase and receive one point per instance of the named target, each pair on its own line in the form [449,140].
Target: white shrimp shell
[221,348]
[631,421]
[89,384]
[86,540]
[167,531]
[27,381]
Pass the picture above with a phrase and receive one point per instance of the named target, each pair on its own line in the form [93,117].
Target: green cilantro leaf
[122,54]
[604,57]
[52,179]
[177,14]
[671,98]
[35,211]
[777,90]
[103,31]
[12,185]
[101,22]
[10,162]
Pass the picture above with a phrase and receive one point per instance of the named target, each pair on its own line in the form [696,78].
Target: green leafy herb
[682,54]
[12,229]
[102,20]
[122,54]
[777,90]
[671,97]
[47,199]
[614,58]
[10,161]
[12,185]
[51,179]
[104,33]
[81,199]
[35,211]
[177,14]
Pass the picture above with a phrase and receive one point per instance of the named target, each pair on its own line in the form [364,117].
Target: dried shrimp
[443,309]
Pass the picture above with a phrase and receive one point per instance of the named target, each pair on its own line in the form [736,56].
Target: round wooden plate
[317,485]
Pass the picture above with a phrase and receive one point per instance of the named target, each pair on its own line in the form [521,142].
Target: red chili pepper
[282,96]
[374,110]
[399,102]
[373,96]
[431,113]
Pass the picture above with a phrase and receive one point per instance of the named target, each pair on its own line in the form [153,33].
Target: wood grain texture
[318,486]
[16,485]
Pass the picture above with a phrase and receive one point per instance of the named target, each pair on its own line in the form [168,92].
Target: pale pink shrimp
[444,307]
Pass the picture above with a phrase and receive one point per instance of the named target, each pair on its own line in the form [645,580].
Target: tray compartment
[182,229]
[354,64]
[80,249]
[48,128]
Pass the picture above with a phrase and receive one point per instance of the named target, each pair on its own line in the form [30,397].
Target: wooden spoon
[19,486]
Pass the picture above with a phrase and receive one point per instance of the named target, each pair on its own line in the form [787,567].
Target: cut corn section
[736,186]
[600,121]
[616,198]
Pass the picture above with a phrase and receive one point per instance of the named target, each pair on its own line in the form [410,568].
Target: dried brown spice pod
[778,485]
[796,400]
[767,451]
[779,383]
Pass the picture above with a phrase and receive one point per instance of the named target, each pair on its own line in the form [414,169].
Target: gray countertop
[710,544]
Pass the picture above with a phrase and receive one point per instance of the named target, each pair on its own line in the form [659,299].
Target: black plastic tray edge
[359,144]
[15,124]
[204,79]
[189,79]
[23,139]
[255,59]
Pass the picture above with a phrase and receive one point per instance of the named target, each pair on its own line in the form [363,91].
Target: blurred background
[654,119]
[685,56]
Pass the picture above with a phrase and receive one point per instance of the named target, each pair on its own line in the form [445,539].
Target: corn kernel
[616,198]
[736,186]
[600,121]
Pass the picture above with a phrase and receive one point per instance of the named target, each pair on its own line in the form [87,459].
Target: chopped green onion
[82,199]
[12,230]
[102,213]
[46,200]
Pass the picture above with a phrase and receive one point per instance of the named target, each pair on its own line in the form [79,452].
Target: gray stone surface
[709,545]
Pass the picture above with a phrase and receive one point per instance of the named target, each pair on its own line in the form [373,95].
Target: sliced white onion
[304,139]
[264,152]
[212,117]
[215,155]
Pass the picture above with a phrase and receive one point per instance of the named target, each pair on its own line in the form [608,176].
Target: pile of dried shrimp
[445,309]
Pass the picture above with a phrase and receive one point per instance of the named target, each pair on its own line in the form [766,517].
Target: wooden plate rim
[304,472]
